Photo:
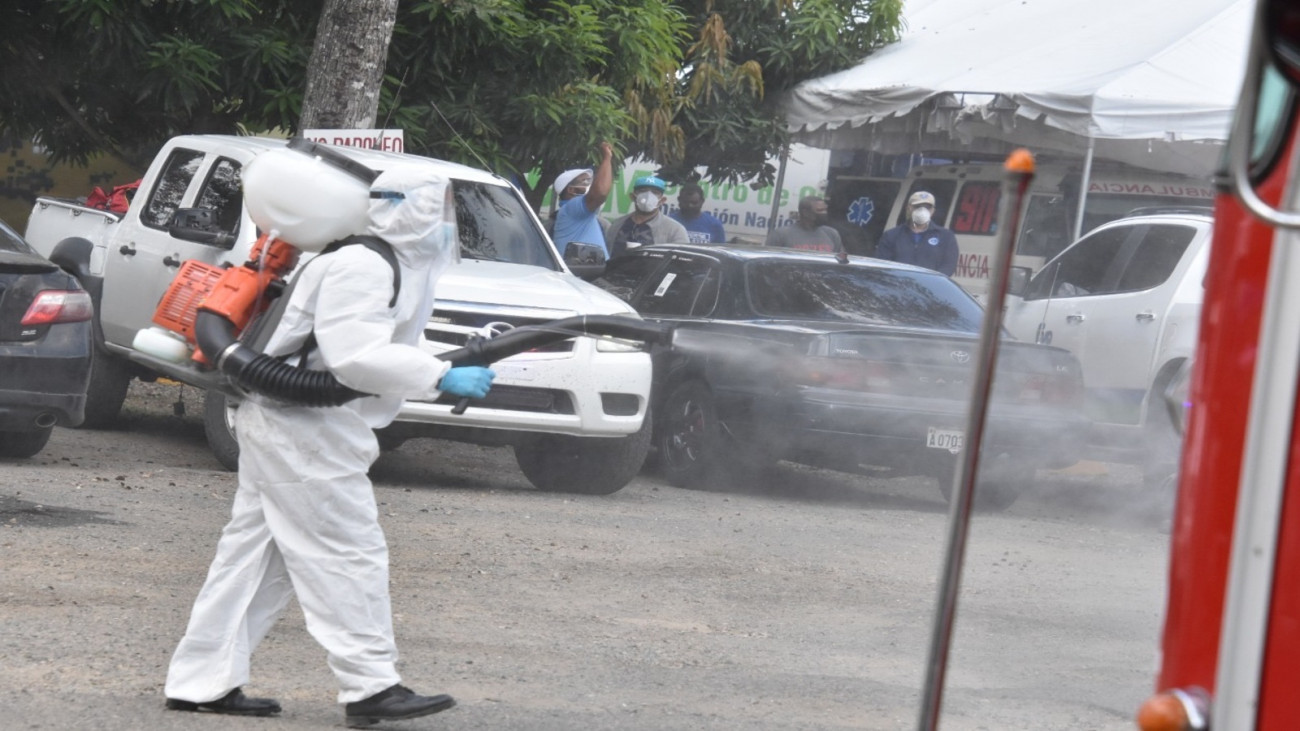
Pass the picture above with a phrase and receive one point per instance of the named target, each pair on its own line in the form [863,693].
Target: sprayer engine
[238,294]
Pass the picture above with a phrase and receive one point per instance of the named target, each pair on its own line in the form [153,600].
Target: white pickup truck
[1126,301]
[574,411]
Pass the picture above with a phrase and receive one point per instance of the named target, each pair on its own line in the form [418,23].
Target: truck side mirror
[1018,281]
[585,260]
[200,226]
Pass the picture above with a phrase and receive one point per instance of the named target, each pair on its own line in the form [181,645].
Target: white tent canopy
[1147,81]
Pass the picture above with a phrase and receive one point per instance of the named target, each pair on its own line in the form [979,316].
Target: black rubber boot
[394,704]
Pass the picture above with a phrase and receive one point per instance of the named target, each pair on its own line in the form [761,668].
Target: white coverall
[304,518]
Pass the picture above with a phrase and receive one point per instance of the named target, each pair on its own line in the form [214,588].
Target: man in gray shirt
[810,232]
[647,224]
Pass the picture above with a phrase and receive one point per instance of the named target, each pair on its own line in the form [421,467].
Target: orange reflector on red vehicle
[1175,710]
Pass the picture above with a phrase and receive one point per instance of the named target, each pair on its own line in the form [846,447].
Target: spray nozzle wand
[482,351]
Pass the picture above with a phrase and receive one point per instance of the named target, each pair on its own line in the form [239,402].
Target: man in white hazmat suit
[304,518]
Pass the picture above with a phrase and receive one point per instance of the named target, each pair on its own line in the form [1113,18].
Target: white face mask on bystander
[921,216]
[647,202]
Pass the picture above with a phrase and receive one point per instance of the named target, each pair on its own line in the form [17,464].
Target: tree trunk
[535,194]
[347,64]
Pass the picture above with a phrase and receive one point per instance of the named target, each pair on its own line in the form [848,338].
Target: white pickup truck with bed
[574,411]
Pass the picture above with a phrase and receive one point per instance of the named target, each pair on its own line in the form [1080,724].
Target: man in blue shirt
[701,227]
[582,193]
[920,241]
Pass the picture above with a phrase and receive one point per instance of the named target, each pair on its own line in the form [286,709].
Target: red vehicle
[1230,650]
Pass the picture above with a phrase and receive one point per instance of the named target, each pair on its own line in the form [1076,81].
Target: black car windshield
[790,290]
[12,242]
[495,225]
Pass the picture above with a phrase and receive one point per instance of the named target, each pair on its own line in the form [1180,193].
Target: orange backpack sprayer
[239,294]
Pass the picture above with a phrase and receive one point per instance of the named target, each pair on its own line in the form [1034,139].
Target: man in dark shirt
[920,241]
[702,227]
[810,232]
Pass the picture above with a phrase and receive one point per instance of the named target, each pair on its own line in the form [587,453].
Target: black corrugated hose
[273,377]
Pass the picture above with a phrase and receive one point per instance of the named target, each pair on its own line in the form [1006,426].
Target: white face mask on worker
[647,202]
[921,216]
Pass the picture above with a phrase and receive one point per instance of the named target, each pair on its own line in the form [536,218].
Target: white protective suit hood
[420,225]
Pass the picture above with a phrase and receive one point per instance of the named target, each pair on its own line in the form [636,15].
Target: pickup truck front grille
[519,398]
[456,327]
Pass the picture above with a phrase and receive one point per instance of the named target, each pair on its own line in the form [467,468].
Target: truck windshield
[495,225]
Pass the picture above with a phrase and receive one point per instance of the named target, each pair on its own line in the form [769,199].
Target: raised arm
[604,180]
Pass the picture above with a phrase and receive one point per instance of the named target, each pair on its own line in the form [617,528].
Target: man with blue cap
[646,224]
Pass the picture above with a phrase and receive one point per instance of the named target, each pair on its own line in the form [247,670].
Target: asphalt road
[800,601]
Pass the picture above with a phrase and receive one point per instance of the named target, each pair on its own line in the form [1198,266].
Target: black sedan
[45,347]
[780,354]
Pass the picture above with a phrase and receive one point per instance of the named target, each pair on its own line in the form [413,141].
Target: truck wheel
[219,428]
[1163,442]
[110,378]
[389,440]
[20,444]
[584,465]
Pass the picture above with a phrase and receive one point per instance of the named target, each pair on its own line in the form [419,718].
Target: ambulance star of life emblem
[861,211]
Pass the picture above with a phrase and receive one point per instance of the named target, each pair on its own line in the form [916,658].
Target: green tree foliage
[744,56]
[120,76]
[524,85]
[527,85]
[514,85]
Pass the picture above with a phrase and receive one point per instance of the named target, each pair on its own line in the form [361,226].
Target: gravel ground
[801,601]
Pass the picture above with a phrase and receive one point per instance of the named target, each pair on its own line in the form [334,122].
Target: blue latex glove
[471,381]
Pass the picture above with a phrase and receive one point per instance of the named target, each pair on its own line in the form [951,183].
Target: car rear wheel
[219,428]
[996,489]
[20,444]
[584,465]
[110,377]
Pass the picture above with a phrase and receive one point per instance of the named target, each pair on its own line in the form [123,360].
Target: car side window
[707,300]
[674,291]
[179,169]
[1046,231]
[1087,268]
[624,275]
[1155,257]
[222,194]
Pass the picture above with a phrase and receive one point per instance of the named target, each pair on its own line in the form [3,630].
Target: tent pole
[1084,183]
[780,185]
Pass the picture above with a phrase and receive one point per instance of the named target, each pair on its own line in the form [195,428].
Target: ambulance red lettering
[973,266]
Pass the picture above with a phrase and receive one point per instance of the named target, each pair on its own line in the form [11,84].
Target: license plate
[949,439]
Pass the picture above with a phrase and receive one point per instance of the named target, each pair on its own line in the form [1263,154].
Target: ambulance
[967,198]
